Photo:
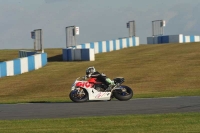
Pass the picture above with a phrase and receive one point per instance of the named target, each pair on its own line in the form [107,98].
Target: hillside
[150,70]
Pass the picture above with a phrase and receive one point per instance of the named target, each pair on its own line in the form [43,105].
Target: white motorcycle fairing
[92,93]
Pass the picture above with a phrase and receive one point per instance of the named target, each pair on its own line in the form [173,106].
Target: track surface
[99,108]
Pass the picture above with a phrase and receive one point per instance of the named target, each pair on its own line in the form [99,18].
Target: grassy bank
[150,70]
[162,123]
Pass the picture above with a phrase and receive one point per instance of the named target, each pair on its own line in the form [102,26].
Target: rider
[91,72]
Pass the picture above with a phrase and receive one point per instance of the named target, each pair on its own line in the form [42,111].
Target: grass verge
[160,123]
[165,70]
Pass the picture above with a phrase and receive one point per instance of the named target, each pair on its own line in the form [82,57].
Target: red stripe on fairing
[84,84]
[92,80]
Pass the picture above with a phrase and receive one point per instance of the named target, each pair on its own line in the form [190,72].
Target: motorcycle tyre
[120,97]
[79,100]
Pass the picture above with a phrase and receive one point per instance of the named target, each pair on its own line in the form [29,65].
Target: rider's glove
[103,74]
[89,75]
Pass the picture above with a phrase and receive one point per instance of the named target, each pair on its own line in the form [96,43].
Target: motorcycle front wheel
[123,94]
[79,95]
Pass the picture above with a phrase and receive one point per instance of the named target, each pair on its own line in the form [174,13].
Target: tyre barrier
[24,53]
[23,65]
[71,54]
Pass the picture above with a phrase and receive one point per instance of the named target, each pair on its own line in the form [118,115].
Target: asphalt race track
[99,108]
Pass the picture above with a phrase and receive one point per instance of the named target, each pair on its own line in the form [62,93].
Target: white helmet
[90,70]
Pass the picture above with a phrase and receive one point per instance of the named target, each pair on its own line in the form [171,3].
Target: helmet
[90,70]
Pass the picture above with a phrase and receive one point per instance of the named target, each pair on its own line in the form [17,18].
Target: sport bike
[92,89]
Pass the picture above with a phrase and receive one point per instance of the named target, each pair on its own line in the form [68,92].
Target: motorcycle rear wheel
[125,95]
[76,97]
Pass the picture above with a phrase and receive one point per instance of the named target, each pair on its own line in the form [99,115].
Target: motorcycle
[92,89]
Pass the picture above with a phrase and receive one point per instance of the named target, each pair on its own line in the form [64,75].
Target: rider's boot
[110,86]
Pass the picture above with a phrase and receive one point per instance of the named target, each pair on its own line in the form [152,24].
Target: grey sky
[98,19]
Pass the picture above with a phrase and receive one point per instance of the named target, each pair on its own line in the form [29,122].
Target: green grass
[150,70]
[160,123]
[8,54]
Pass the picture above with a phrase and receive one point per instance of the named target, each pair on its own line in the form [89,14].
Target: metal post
[70,36]
[38,41]
[41,41]
[131,26]
[158,27]
[152,28]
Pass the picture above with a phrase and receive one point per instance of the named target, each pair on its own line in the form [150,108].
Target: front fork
[80,92]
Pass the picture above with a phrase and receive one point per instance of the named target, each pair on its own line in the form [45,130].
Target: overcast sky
[99,20]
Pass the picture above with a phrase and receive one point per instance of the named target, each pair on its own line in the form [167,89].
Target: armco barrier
[172,39]
[110,45]
[71,54]
[22,65]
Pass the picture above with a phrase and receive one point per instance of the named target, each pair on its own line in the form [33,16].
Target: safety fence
[23,65]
